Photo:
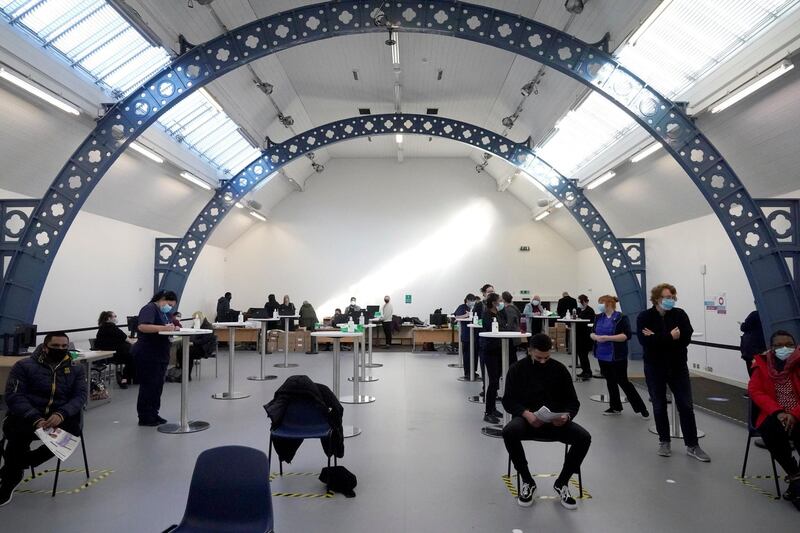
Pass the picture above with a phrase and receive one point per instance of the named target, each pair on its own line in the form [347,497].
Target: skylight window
[687,41]
[96,40]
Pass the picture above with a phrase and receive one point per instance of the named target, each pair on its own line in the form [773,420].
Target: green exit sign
[408,298]
[523,291]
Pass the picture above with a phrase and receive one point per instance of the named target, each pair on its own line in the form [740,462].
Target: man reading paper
[43,391]
[533,383]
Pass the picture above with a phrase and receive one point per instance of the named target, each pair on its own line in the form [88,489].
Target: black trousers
[570,433]
[18,456]
[677,378]
[151,370]
[776,439]
[493,364]
[616,374]
[123,356]
[583,359]
[387,332]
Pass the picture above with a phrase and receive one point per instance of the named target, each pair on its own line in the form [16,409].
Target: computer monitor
[371,310]
[438,319]
[133,325]
[258,312]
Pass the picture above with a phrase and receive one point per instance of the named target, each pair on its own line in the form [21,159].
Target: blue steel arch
[777,296]
[174,260]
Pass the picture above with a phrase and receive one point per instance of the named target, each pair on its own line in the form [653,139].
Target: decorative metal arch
[776,293]
[174,260]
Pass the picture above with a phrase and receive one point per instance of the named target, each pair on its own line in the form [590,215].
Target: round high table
[261,376]
[357,397]
[286,363]
[365,373]
[546,322]
[337,336]
[370,364]
[472,359]
[463,323]
[231,394]
[505,338]
[573,340]
[185,425]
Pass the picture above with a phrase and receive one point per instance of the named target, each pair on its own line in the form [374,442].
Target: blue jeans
[677,378]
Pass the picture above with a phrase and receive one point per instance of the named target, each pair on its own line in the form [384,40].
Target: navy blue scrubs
[151,353]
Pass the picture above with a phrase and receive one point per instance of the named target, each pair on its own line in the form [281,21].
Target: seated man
[44,390]
[775,390]
[534,382]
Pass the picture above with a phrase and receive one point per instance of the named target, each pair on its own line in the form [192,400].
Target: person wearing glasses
[775,390]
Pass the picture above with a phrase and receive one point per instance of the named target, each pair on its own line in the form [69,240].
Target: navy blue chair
[752,432]
[229,493]
[303,419]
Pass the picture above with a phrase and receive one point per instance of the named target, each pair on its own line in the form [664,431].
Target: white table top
[542,317]
[91,355]
[572,320]
[336,334]
[185,332]
[465,319]
[230,324]
[367,326]
[504,335]
[262,319]
[288,316]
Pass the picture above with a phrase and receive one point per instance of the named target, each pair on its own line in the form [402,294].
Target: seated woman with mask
[111,337]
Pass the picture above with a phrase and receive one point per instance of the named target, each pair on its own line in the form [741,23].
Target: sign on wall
[718,304]
[408,298]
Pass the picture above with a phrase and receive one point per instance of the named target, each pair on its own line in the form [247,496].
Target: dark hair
[583,298]
[483,289]
[470,298]
[271,298]
[655,292]
[104,316]
[780,333]
[541,342]
[507,298]
[492,299]
[164,295]
[49,336]
[339,311]
[228,295]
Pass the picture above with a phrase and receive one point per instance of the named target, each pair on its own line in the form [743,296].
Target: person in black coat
[271,307]
[111,337]
[532,383]
[224,311]
[752,342]
[665,332]
[491,352]
[583,340]
[566,304]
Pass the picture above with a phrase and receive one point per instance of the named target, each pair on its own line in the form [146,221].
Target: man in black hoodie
[534,382]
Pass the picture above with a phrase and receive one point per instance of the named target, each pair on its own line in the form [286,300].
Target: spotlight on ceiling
[317,167]
[508,122]
[379,19]
[286,120]
[574,6]
[311,155]
[529,88]
[391,41]
[265,87]
[479,168]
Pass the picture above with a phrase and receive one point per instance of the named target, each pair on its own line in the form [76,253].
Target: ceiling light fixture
[188,176]
[574,6]
[541,215]
[286,120]
[653,148]
[39,93]
[529,88]
[755,84]
[648,22]
[210,99]
[136,147]
[265,87]
[239,205]
[601,180]
[399,138]
[558,205]
[317,167]
[258,216]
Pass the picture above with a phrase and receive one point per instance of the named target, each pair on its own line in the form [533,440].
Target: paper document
[60,442]
[546,415]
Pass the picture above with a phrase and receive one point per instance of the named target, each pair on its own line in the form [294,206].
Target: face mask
[601,309]
[667,303]
[500,306]
[535,302]
[784,352]
[114,321]
[470,304]
[166,308]
[352,302]
[582,306]
[56,354]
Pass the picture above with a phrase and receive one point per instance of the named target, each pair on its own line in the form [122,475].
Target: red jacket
[762,388]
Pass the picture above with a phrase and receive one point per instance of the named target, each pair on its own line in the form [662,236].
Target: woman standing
[151,353]
[611,333]
[110,337]
[583,336]
[491,353]
[287,309]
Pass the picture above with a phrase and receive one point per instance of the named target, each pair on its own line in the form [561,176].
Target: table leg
[231,394]
[460,363]
[496,431]
[573,350]
[477,398]
[286,363]
[365,375]
[675,425]
[370,364]
[357,397]
[261,376]
[185,425]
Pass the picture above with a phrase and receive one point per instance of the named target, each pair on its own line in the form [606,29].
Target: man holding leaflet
[538,383]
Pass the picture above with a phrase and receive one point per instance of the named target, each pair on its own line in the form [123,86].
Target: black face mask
[55,355]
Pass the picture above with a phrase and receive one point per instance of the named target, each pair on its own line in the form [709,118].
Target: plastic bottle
[361,319]
[495,326]
[351,327]
[241,318]
[196,323]
[275,313]
[474,318]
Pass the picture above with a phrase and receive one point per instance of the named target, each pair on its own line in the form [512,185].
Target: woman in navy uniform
[151,353]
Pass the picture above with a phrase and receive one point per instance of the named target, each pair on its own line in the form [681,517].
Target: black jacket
[565,304]
[490,346]
[36,390]
[752,342]
[621,325]
[302,387]
[110,337]
[583,331]
[531,385]
[223,310]
[661,348]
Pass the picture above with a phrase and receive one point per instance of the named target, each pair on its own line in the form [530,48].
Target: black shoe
[611,412]
[150,423]
[793,491]
[497,414]
[161,420]
[526,490]
[645,414]
[7,487]
[491,419]
[585,375]
[567,501]
[481,394]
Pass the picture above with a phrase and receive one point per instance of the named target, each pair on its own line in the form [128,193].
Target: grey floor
[421,462]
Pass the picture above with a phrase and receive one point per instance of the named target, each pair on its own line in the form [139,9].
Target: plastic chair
[566,450]
[229,493]
[302,420]
[752,432]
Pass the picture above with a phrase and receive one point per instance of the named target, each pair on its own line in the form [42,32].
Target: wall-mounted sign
[408,298]
[717,305]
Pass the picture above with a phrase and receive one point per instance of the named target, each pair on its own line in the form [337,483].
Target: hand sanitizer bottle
[241,318]
[196,323]
[361,319]
[275,313]
[351,327]
[495,326]
[474,318]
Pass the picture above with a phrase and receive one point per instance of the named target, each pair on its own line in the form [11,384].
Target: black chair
[302,420]
[229,492]
[752,432]
[566,450]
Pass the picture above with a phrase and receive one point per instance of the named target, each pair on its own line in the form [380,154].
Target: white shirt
[387,312]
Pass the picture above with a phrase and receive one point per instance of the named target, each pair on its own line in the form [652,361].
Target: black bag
[339,479]
[174,375]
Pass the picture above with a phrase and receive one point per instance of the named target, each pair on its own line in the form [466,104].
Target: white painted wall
[431,228]
[676,254]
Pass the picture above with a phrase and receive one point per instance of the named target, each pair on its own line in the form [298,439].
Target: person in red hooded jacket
[775,390]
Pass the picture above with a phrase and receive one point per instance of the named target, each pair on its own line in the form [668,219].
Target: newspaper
[546,415]
[60,442]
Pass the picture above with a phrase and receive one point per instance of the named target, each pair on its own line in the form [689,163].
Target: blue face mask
[535,303]
[667,303]
[470,304]
[601,309]
[166,308]
[784,352]
[500,306]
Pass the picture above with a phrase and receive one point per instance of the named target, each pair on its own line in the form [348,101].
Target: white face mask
[535,302]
